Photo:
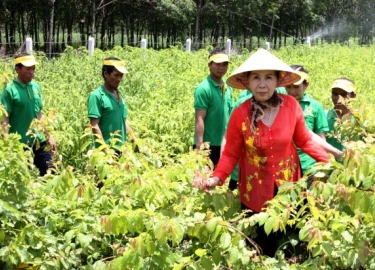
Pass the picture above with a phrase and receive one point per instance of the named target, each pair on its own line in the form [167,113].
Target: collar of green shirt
[20,84]
[306,98]
[103,91]
[215,83]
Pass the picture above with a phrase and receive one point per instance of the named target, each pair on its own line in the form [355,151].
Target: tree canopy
[166,22]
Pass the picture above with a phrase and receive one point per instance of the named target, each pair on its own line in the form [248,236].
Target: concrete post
[188,45]
[29,44]
[91,45]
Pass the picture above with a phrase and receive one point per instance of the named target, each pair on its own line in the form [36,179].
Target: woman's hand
[212,182]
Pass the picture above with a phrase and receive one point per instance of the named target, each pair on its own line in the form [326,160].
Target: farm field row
[147,215]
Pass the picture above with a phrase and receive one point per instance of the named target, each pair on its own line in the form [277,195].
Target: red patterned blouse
[269,156]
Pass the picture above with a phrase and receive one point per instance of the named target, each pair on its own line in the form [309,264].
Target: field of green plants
[148,215]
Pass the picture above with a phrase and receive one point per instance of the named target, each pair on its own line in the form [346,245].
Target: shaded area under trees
[54,24]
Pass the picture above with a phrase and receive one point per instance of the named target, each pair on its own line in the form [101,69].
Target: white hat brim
[262,60]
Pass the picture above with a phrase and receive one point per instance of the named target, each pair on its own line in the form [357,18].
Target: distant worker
[313,113]
[213,102]
[22,99]
[107,110]
[343,89]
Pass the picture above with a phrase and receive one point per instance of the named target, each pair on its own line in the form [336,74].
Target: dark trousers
[43,158]
[233,184]
[214,154]
[267,243]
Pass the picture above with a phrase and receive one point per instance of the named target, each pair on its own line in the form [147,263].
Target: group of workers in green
[22,100]
[274,133]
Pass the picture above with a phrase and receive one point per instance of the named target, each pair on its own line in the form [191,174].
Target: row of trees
[53,23]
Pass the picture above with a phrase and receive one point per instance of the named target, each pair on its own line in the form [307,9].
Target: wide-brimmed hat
[118,64]
[345,85]
[219,58]
[262,60]
[303,77]
[27,60]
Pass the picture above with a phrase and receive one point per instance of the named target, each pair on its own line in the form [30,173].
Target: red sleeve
[303,138]
[235,143]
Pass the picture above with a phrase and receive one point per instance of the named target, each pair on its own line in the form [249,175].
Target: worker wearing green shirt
[213,102]
[343,89]
[107,110]
[22,99]
[312,110]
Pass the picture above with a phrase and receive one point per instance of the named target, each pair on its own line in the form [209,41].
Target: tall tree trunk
[122,33]
[50,39]
[19,28]
[36,34]
[113,33]
[197,17]
[57,46]
[63,38]
[155,36]
[102,30]
[223,35]
[127,33]
[132,30]
[93,19]
[12,30]
[23,28]
[82,30]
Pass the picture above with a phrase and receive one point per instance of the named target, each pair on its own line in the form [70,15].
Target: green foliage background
[148,215]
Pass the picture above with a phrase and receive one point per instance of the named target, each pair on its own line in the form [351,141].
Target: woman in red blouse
[263,133]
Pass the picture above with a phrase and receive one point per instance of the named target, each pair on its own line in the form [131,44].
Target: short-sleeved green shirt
[245,95]
[316,121]
[23,102]
[218,104]
[111,113]
[331,118]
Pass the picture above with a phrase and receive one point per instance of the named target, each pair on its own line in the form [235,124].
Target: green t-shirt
[23,102]
[111,113]
[245,95]
[218,104]
[331,118]
[316,121]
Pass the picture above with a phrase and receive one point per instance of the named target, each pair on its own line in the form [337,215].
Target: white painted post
[308,41]
[350,42]
[188,45]
[268,46]
[29,44]
[228,47]
[144,43]
[91,45]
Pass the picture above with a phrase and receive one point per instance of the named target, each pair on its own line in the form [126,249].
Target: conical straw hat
[262,60]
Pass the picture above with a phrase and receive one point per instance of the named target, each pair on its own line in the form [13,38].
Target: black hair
[277,73]
[109,69]
[216,51]
[300,68]
[19,65]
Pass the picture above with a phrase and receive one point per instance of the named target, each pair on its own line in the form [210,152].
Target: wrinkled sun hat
[219,58]
[27,60]
[344,85]
[303,77]
[118,64]
[262,60]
